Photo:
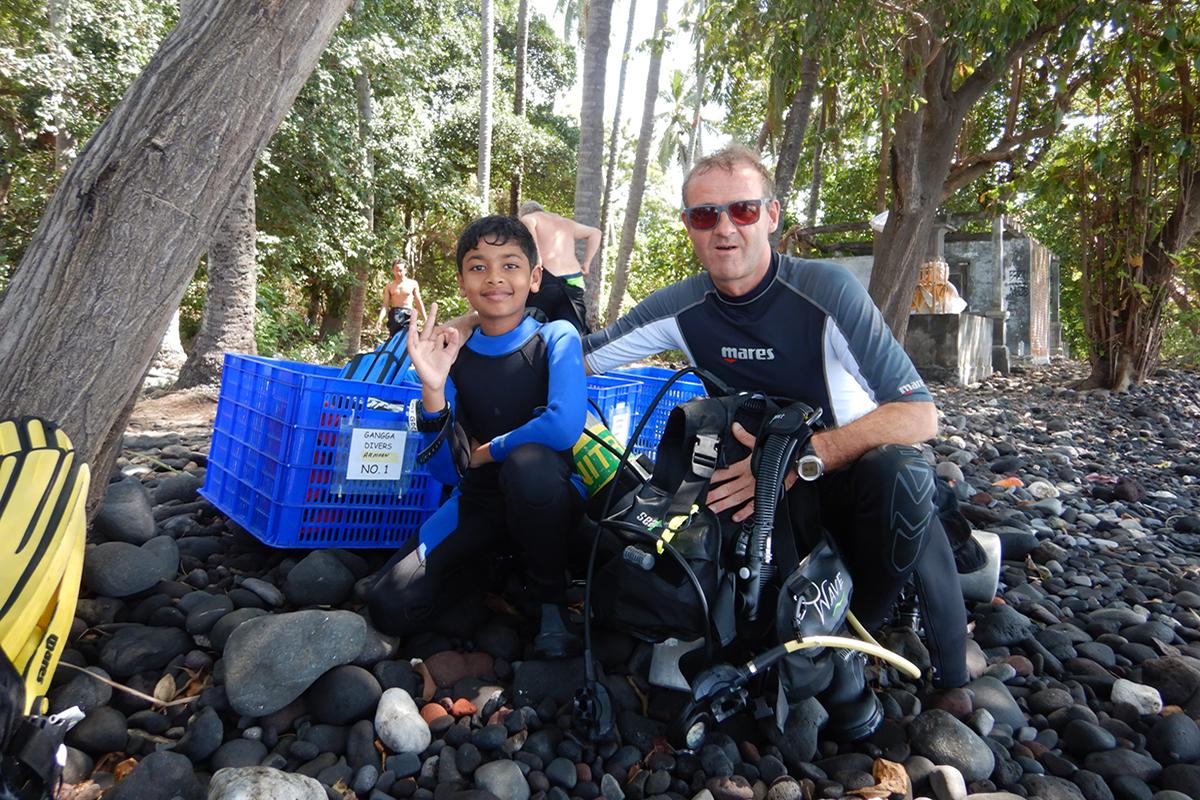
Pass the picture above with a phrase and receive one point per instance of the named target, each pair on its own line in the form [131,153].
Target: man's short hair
[729,158]
[496,229]
[529,207]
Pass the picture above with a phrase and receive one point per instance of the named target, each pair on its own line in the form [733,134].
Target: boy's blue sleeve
[441,465]
[560,425]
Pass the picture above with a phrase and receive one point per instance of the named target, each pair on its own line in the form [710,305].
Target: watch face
[809,468]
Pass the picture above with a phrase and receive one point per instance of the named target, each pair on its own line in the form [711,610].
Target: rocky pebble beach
[269,681]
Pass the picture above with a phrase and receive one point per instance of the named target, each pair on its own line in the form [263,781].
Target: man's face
[496,279]
[736,256]
[398,271]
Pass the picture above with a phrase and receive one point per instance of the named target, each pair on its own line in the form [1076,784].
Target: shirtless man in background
[561,292]
[400,296]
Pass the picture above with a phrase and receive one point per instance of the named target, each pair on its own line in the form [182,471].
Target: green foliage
[64,81]
[663,254]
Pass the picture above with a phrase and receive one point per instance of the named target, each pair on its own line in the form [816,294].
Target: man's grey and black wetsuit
[810,332]
[525,393]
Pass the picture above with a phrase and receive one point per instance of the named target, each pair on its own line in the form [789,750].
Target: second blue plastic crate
[652,379]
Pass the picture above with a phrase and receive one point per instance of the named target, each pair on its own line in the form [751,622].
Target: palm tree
[514,199]
[485,104]
[362,270]
[589,177]
[640,162]
[616,125]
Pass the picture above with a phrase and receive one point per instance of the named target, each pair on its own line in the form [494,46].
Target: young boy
[514,395]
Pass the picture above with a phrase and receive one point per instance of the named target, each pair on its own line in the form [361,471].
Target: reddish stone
[463,708]
[1037,748]
[448,667]
[431,711]
[583,772]
[1021,664]
[957,702]
[749,752]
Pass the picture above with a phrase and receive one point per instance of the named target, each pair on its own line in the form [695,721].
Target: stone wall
[950,348]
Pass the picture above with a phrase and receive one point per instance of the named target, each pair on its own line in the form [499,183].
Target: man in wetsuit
[809,331]
[561,294]
[507,405]
[400,297]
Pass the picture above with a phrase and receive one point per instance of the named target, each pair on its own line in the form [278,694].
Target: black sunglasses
[741,212]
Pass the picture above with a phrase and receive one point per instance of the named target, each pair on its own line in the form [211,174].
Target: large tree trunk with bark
[121,236]
[922,169]
[922,149]
[640,161]
[227,323]
[589,170]
[793,136]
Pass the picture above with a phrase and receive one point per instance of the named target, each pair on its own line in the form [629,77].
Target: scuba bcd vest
[664,572]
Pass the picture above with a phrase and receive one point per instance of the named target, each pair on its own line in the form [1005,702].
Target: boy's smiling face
[496,279]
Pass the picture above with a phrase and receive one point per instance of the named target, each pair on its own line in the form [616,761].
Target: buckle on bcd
[704,454]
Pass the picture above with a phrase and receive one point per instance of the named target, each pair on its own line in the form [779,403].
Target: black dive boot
[854,710]
[553,639]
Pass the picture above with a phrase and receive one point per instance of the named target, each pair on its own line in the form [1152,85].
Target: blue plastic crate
[273,467]
[652,380]
[619,400]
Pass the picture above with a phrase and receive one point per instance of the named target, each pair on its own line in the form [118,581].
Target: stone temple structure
[1011,284]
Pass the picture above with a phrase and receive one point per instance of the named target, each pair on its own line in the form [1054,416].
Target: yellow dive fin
[43,492]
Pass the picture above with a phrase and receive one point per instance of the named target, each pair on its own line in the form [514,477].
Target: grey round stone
[163,775]
[141,648]
[319,579]
[120,569]
[239,753]
[941,738]
[503,778]
[271,660]
[126,515]
[252,783]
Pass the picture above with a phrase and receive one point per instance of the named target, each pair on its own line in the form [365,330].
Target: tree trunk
[485,106]
[514,195]
[227,323]
[362,270]
[171,354]
[694,145]
[922,148]
[60,25]
[611,172]
[120,238]
[589,177]
[814,188]
[793,137]
[885,155]
[641,160]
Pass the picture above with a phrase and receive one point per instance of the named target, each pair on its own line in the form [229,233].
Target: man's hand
[432,350]
[734,485]
[737,482]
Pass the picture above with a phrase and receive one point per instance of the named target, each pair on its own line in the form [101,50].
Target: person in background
[561,294]
[400,297]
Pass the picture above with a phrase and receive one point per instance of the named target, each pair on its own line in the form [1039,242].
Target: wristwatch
[809,466]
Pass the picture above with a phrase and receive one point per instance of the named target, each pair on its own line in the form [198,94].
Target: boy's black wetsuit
[809,331]
[524,392]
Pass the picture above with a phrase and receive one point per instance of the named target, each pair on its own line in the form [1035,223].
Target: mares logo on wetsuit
[732,355]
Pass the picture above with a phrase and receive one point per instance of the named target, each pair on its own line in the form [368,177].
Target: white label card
[376,454]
